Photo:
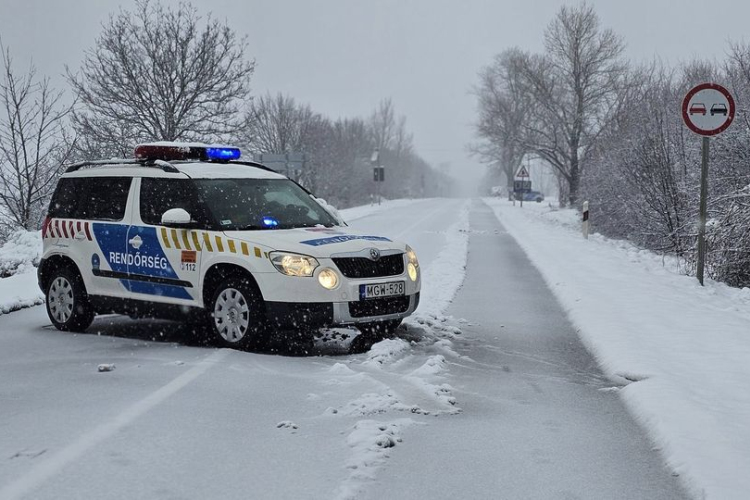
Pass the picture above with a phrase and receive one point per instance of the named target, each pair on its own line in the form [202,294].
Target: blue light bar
[223,154]
[270,222]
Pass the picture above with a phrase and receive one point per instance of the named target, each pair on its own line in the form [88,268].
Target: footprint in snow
[287,424]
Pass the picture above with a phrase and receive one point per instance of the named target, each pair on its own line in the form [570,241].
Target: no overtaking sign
[708,109]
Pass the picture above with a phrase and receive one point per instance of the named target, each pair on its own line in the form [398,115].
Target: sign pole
[708,109]
[520,185]
[703,211]
[377,188]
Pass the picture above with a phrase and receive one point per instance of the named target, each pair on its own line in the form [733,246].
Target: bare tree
[389,131]
[160,73]
[578,87]
[349,176]
[337,154]
[505,107]
[32,144]
[277,124]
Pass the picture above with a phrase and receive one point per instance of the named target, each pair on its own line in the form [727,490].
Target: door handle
[136,242]
[80,235]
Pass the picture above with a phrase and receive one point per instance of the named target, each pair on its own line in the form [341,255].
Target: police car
[189,231]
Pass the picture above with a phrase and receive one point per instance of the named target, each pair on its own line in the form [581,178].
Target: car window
[238,204]
[160,195]
[106,198]
[91,198]
[66,200]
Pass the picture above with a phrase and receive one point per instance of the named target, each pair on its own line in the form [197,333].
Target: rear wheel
[237,319]
[67,302]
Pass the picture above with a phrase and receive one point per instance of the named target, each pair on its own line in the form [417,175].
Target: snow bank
[441,281]
[19,291]
[21,253]
[19,257]
[681,350]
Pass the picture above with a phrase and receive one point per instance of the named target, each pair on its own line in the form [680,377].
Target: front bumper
[320,314]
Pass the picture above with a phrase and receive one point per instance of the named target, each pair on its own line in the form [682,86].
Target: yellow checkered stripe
[207,242]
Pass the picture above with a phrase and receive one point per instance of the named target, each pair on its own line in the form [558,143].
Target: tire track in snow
[420,379]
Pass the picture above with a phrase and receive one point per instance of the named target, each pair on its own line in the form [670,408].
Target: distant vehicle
[719,109]
[698,108]
[531,196]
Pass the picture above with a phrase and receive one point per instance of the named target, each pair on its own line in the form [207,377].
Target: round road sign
[708,109]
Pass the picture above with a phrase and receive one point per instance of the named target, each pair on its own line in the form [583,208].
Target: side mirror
[176,217]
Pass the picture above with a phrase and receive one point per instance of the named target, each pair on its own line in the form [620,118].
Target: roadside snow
[19,291]
[19,257]
[446,273]
[681,351]
[21,253]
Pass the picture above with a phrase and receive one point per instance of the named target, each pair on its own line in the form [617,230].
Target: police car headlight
[328,278]
[412,265]
[293,264]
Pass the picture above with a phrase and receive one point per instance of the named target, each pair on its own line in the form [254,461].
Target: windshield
[249,204]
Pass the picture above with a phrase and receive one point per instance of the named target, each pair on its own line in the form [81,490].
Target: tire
[236,318]
[372,333]
[67,301]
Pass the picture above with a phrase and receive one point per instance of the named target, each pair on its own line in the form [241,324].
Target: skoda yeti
[188,231]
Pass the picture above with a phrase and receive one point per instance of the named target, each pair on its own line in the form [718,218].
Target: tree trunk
[574,183]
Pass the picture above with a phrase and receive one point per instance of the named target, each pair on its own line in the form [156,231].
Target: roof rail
[263,167]
[252,164]
[165,166]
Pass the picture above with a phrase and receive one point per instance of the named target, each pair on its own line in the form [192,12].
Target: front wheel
[67,302]
[236,318]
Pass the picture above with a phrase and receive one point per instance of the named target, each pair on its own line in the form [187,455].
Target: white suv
[186,231]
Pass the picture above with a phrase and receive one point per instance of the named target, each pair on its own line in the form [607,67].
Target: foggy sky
[343,56]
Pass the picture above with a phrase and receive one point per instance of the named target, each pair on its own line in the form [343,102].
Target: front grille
[362,267]
[378,307]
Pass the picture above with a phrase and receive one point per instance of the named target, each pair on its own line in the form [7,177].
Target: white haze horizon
[343,57]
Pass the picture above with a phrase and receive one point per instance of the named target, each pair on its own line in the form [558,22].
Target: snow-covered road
[539,420]
[501,401]
[175,421]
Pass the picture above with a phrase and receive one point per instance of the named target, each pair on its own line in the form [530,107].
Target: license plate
[378,290]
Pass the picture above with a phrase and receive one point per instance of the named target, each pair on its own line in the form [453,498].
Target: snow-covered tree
[32,144]
[160,73]
[578,88]
[505,106]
